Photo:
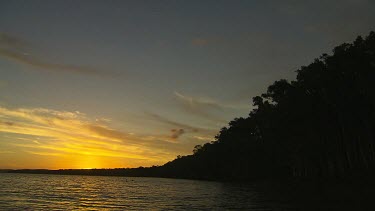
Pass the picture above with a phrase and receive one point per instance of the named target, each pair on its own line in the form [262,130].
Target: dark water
[60,192]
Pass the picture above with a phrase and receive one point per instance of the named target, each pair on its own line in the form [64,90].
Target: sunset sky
[103,84]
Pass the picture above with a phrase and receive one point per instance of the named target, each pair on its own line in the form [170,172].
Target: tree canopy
[321,124]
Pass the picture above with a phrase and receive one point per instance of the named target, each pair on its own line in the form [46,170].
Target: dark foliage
[320,125]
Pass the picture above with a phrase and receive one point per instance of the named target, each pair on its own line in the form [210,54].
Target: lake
[70,192]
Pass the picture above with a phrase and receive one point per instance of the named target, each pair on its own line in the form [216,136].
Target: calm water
[60,192]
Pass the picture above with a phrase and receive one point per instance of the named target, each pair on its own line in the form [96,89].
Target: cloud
[186,127]
[8,123]
[205,41]
[178,129]
[205,138]
[199,102]
[199,42]
[6,152]
[9,41]
[49,132]
[177,133]
[34,62]
[13,49]
[204,107]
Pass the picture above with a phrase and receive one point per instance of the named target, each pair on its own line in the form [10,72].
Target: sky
[106,84]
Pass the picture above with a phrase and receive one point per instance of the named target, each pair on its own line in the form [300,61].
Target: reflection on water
[23,191]
[26,191]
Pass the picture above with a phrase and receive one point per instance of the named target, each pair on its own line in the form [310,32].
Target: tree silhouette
[321,124]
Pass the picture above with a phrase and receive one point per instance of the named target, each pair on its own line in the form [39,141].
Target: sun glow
[62,139]
[89,162]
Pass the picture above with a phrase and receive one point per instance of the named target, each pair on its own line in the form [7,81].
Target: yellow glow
[89,162]
[71,140]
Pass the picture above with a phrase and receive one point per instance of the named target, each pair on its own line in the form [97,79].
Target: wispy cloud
[205,107]
[180,128]
[13,49]
[177,133]
[57,133]
[8,41]
[199,42]
[205,41]
[35,62]
[199,102]
[204,138]
[6,152]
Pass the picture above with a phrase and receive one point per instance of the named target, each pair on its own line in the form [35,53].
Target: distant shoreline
[119,172]
[149,172]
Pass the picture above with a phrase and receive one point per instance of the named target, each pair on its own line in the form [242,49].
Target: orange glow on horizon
[52,139]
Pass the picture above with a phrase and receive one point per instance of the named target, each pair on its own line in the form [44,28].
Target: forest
[320,125]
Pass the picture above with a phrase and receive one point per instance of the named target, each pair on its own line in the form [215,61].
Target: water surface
[70,192]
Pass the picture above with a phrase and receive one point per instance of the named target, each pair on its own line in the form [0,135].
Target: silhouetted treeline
[154,171]
[320,125]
